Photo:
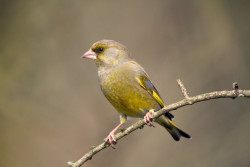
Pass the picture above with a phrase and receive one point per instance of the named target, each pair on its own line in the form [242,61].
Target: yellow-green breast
[120,87]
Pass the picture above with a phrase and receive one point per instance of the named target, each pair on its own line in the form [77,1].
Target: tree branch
[184,91]
[236,92]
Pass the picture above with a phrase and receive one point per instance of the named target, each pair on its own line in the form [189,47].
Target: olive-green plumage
[127,86]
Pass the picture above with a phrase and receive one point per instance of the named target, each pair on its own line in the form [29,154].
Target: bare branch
[184,91]
[236,92]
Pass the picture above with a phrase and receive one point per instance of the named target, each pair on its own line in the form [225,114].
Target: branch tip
[235,86]
[71,164]
[184,91]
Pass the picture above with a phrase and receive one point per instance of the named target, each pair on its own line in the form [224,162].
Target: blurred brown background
[52,109]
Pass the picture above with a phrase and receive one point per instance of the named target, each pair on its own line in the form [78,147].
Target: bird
[128,88]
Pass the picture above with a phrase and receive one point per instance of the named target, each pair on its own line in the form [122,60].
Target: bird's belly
[129,99]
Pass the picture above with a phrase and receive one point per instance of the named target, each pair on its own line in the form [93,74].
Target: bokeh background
[52,109]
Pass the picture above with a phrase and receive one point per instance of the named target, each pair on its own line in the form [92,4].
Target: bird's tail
[175,132]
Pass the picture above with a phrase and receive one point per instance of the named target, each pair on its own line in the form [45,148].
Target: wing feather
[145,83]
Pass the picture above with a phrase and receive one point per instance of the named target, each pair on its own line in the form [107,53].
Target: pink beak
[90,54]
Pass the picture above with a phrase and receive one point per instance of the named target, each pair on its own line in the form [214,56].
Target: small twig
[236,88]
[236,92]
[184,91]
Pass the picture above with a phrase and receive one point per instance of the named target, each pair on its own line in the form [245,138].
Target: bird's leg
[111,137]
[148,119]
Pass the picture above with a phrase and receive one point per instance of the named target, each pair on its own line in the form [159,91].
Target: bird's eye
[99,50]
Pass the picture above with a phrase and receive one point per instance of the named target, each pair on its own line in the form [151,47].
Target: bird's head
[107,53]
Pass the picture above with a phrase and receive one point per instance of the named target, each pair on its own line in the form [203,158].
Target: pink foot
[148,118]
[111,139]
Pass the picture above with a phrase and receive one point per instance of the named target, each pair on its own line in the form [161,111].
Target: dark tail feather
[175,132]
[184,134]
[169,115]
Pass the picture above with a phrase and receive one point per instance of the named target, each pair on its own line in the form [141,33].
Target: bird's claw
[148,119]
[111,140]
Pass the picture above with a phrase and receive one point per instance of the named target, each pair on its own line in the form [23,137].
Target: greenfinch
[128,88]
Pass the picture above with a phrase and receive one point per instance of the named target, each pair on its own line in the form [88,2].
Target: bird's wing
[145,83]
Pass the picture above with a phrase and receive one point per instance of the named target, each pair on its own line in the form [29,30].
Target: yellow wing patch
[153,93]
[157,98]
[140,82]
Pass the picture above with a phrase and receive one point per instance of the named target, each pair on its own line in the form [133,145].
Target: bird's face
[107,53]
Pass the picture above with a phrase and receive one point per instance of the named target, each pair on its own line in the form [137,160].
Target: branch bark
[236,92]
